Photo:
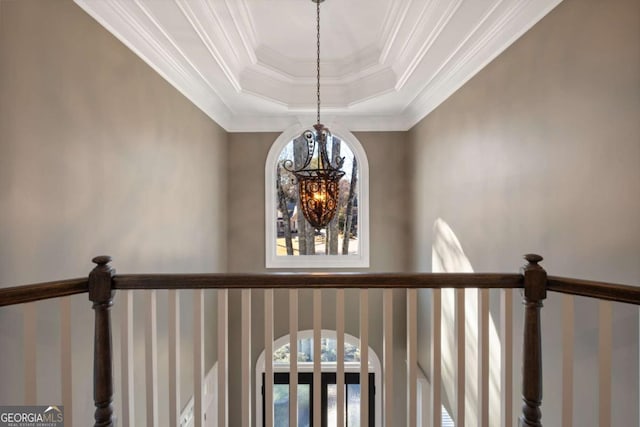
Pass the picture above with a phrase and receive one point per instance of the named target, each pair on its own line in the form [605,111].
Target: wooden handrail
[61,288]
[41,291]
[317,280]
[600,290]
[102,284]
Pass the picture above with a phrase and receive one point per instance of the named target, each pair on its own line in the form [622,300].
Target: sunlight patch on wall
[447,256]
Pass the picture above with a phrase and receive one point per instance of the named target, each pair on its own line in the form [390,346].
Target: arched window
[290,242]
[281,358]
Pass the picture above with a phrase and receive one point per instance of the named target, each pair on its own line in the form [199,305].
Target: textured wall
[98,154]
[540,152]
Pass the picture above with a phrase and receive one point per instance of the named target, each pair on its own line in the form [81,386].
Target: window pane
[281,405]
[295,236]
[353,405]
[328,351]
[332,408]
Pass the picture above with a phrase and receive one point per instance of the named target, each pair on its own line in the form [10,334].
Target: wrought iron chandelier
[318,182]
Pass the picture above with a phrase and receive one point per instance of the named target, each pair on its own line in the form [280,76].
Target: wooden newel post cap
[535,278]
[102,260]
[531,258]
[100,290]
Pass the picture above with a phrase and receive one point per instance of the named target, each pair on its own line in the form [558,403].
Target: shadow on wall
[447,256]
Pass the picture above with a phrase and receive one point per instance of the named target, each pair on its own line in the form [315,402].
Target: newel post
[101,294]
[535,291]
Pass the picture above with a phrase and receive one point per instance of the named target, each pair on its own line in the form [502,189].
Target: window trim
[360,260]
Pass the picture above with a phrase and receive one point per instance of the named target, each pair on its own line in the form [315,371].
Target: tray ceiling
[250,64]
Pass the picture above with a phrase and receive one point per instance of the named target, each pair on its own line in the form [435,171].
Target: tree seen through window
[295,236]
[328,351]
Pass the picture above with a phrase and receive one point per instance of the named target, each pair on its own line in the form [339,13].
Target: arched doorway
[281,359]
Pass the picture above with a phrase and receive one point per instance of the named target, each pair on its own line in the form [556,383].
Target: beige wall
[386,154]
[540,152]
[98,154]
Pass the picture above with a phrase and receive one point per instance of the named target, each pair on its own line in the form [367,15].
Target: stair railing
[102,284]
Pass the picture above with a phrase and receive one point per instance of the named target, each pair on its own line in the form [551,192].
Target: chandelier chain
[318,57]
[318,184]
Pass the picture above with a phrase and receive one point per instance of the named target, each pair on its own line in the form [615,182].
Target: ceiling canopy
[250,64]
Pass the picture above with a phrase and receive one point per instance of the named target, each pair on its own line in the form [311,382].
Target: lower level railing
[102,284]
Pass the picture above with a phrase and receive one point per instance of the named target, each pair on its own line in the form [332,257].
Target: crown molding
[211,52]
[244,26]
[114,16]
[422,38]
[395,18]
[303,70]
[213,37]
[518,19]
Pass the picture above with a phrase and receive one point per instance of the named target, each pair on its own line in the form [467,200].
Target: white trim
[198,356]
[423,392]
[436,357]
[268,348]
[174,350]
[210,402]
[460,324]
[340,410]
[387,356]
[30,325]
[151,357]
[223,355]
[412,357]
[127,358]
[568,340]
[245,357]
[484,353]
[364,354]
[412,44]
[317,357]
[605,345]
[66,364]
[293,361]
[374,366]
[359,260]
[506,357]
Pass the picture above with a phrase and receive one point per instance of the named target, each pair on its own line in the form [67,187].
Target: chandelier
[318,178]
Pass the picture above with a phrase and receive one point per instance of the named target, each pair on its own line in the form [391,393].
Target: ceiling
[250,64]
